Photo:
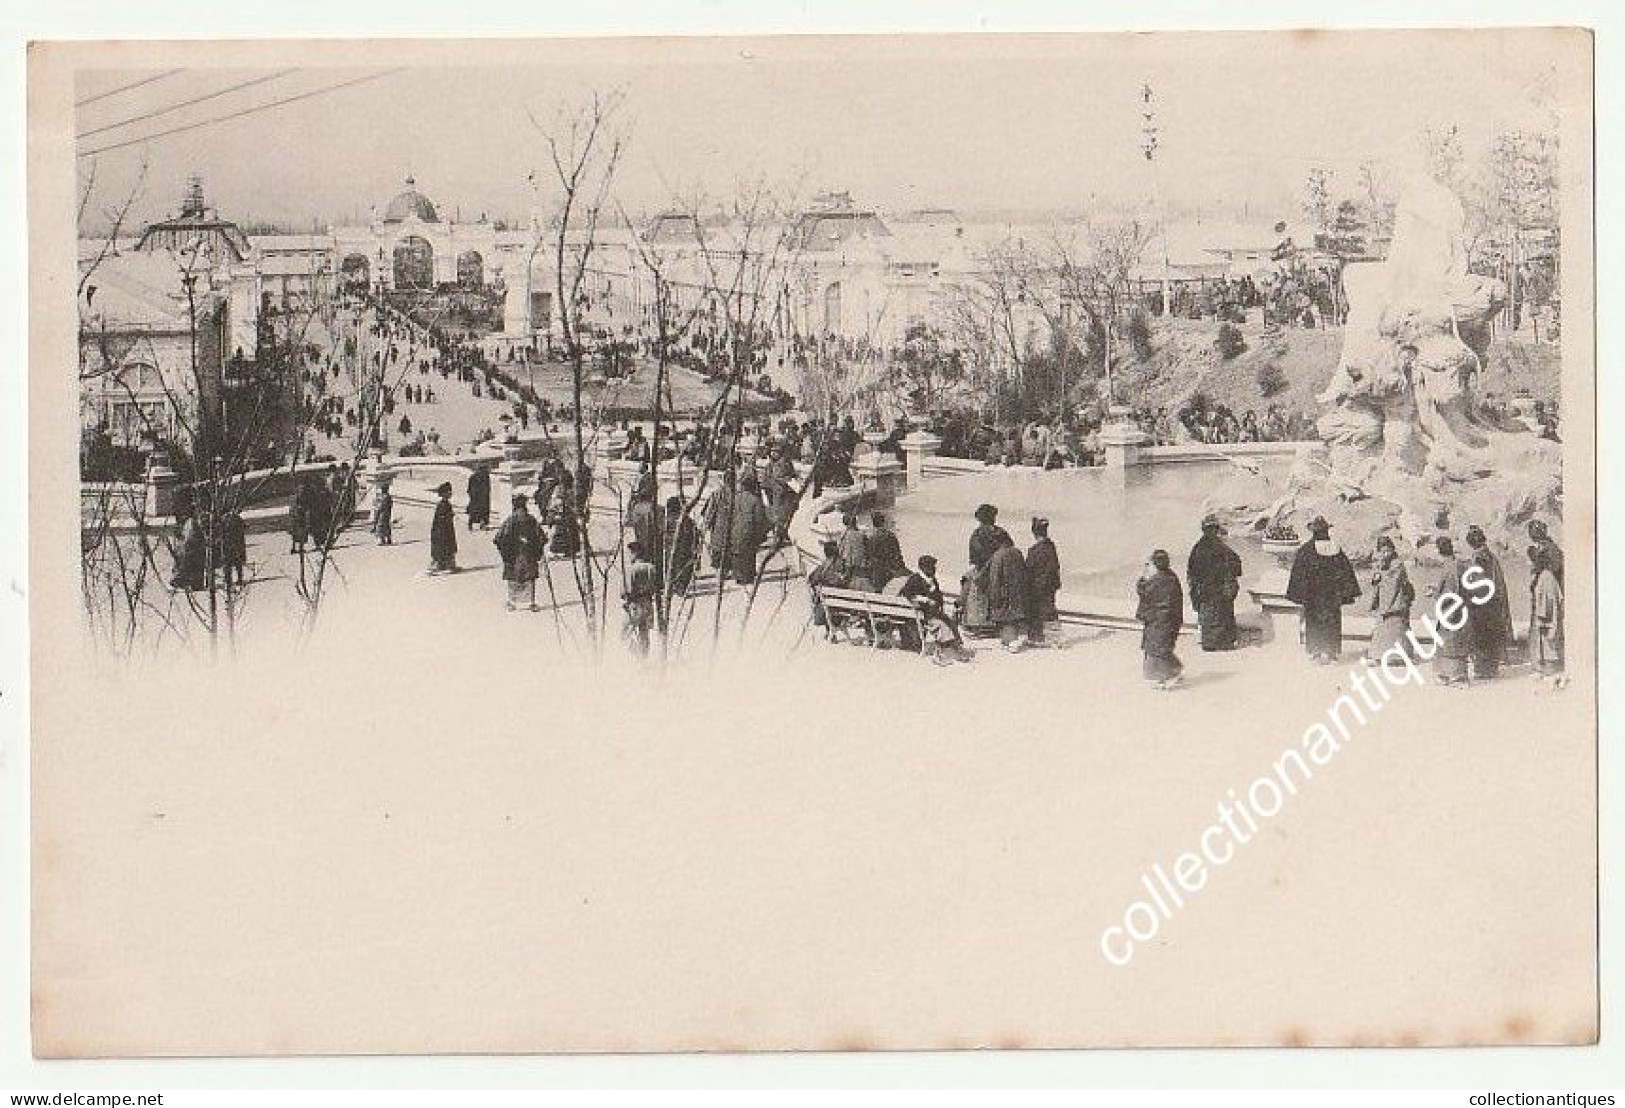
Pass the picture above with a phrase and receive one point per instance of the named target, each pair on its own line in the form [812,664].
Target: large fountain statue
[1406,446]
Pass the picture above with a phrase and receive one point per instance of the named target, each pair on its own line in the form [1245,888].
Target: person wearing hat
[1161,611]
[984,540]
[1392,595]
[443,534]
[1321,582]
[1553,554]
[1213,574]
[520,543]
[1043,580]
[1490,621]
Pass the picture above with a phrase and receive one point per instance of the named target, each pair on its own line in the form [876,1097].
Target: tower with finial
[192,197]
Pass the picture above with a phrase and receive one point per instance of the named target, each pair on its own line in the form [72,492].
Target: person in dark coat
[642,518]
[749,527]
[719,523]
[1160,608]
[443,534]
[546,484]
[781,491]
[681,548]
[1213,575]
[519,541]
[566,539]
[299,516]
[1007,594]
[984,540]
[1491,621]
[885,552]
[943,643]
[383,516]
[191,557]
[234,547]
[1321,582]
[479,499]
[1043,580]
[319,511]
[342,494]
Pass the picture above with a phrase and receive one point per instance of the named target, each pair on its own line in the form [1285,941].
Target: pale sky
[994,122]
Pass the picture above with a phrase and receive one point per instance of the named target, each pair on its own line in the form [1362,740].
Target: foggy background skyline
[1006,124]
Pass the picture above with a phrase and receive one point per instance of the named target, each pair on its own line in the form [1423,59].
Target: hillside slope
[1184,361]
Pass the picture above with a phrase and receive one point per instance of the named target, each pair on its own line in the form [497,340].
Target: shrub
[1139,334]
[1271,380]
[1229,343]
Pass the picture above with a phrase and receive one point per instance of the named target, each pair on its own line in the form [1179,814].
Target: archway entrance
[355,271]
[470,270]
[414,263]
[832,309]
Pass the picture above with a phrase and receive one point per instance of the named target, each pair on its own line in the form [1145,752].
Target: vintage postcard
[813,543]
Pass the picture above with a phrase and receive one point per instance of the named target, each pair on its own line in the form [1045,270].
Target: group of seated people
[872,561]
[1005,592]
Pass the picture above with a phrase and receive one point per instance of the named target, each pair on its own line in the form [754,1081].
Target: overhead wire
[240,113]
[168,109]
[125,88]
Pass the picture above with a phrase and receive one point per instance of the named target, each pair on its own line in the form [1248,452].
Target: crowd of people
[1005,593]
[1075,438]
[1011,595]
[1323,582]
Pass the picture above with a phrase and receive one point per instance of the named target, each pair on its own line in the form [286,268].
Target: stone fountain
[1404,448]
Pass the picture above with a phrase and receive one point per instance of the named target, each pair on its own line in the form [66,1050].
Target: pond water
[1104,528]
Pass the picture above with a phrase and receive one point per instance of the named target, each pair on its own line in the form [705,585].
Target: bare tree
[1100,280]
[584,145]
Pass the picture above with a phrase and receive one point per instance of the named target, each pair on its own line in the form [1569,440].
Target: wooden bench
[878,611]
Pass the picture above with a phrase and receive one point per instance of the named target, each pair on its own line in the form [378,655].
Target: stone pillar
[1122,439]
[880,474]
[513,477]
[163,484]
[919,448]
[516,322]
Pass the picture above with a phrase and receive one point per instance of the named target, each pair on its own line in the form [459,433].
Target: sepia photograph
[813,543]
